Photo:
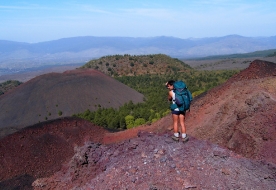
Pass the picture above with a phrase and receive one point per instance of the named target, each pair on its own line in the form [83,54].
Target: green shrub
[139,121]
[129,121]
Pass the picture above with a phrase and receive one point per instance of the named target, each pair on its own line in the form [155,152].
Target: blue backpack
[183,96]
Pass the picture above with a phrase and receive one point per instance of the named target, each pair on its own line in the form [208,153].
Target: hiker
[177,115]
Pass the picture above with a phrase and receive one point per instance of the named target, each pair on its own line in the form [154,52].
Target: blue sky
[44,20]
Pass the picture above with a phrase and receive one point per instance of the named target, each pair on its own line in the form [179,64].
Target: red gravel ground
[232,131]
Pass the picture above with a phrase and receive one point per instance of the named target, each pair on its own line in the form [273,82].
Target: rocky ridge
[152,161]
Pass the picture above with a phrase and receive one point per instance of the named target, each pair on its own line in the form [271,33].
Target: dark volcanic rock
[153,161]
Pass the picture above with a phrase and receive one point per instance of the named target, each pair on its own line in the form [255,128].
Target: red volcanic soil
[71,92]
[241,113]
[40,150]
[232,146]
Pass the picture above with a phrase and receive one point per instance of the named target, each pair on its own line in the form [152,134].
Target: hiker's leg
[175,123]
[182,123]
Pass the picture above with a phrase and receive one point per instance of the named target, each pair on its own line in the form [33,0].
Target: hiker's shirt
[173,101]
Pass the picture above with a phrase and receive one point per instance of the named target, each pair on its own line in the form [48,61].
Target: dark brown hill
[53,95]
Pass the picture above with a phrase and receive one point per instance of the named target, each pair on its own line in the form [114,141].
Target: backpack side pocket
[173,106]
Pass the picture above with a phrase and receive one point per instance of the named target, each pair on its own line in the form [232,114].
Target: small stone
[143,155]
[173,166]
[161,152]
[225,171]
[163,159]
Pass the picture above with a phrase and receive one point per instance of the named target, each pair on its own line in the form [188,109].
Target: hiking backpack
[183,96]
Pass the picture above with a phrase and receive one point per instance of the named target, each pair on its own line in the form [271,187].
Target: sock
[184,135]
[176,134]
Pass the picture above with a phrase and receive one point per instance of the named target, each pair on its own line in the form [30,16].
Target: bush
[129,121]
[139,121]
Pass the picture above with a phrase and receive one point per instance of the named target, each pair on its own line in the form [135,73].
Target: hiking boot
[185,139]
[175,138]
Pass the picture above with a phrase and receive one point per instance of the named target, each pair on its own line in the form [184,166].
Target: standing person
[177,116]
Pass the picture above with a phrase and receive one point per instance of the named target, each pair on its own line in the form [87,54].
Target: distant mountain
[82,49]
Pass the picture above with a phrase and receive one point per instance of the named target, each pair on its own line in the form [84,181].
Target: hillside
[128,65]
[55,95]
[232,146]
[240,114]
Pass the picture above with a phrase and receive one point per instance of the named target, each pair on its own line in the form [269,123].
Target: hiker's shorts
[178,112]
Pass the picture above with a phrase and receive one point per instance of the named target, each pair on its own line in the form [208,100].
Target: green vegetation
[60,113]
[272,54]
[264,53]
[156,105]
[132,65]
[8,85]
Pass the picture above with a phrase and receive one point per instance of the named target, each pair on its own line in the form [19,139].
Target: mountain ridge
[85,48]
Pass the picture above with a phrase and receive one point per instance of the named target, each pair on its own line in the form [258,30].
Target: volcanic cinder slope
[46,96]
[241,113]
[40,150]
[232,146]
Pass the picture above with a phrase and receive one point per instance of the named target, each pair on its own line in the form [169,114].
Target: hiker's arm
[170,95]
